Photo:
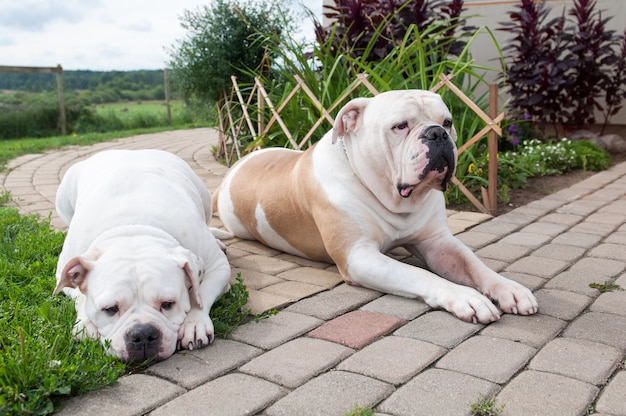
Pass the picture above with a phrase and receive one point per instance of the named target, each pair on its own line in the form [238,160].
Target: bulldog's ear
[349,117]
[193,266]
[75,272]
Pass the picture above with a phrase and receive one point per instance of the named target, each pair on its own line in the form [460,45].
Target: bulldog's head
[137,299]
[406,135]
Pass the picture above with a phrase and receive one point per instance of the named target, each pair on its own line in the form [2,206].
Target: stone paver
[335,392]
[535,330]
[132,395]
[275,330]
[357,329]
[403,308]
[612,400]
[493,359]
[606,328]
[538,393]
[439,328]
[233,394]
[438,392]
[297,361]
[332,346]
[393,359]
[587,361]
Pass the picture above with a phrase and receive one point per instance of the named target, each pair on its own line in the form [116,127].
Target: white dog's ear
[75,272]
[349,117]
[193,266]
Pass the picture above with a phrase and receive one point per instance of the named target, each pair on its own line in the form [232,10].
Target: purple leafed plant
[591,52]
[614,83]
[357,22]
[536,63]
[559,70]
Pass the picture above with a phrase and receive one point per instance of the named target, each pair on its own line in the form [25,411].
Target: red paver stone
[357,329]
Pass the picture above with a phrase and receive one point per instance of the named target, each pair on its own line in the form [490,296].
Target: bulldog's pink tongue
[406,192]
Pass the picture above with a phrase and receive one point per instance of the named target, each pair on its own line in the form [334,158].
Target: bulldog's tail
[221,234]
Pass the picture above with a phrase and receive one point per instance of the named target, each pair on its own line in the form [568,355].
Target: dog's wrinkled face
[138,300]
[408,131]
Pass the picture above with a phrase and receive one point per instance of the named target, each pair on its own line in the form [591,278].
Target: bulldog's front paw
[196,331]
[512,297]
[469,305]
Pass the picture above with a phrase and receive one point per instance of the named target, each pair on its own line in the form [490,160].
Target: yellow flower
[471,168]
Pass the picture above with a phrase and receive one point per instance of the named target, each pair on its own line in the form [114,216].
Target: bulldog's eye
[400,126]
[447,123]
[111,310]
[166,306]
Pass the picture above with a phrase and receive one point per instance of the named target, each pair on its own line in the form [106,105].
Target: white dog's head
[137,299]
[407,134]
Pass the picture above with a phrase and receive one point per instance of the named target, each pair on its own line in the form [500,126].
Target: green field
[126,111]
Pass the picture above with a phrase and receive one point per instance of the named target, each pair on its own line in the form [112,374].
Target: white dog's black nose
[143,342]
[434,133]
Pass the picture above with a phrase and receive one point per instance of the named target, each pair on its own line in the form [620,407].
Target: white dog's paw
[469,305]
[196,331]
[512,297]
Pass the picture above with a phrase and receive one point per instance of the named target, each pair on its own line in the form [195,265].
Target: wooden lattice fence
[236,122]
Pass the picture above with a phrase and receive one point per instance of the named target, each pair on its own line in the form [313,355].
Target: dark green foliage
[229,310]
[219,44]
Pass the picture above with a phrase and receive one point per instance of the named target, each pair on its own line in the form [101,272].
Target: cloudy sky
[96,34]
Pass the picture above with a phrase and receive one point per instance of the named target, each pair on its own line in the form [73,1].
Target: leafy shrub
[531,158]
[358,22]
[218,45]
[557,71]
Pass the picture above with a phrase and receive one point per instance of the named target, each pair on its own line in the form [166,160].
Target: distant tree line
[82,80]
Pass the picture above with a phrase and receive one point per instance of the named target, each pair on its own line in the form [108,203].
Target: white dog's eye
[447,123]
[400,126]
[166,306]
[111,310]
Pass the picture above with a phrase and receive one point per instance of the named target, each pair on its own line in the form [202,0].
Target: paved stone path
[333,347]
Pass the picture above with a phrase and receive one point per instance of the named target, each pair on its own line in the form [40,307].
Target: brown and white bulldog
[139,258]
[371,184]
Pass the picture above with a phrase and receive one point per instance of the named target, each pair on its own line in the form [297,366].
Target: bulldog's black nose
[143,342]
[434,133]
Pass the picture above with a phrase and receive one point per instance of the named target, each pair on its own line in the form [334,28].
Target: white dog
[139,258]
[371,184]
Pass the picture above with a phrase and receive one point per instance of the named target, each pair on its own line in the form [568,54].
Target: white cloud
[96,34]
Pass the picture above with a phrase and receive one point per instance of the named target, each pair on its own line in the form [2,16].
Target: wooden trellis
[233,126]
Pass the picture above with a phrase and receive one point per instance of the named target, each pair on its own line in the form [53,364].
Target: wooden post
[492,204]
[62,117]
[260,120]
[166,83]
[46,70]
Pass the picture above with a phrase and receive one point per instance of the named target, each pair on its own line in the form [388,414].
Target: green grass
[607,286]
[40,362]
[130,115]
[486,406]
